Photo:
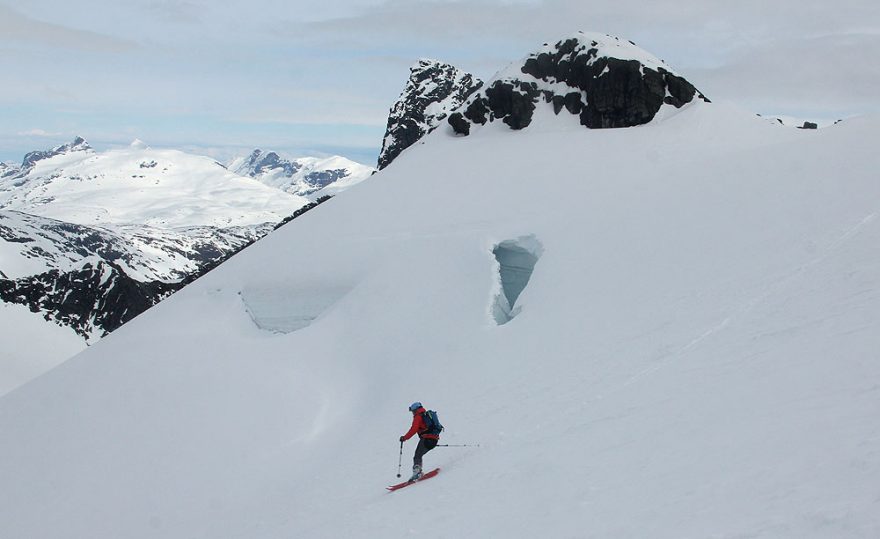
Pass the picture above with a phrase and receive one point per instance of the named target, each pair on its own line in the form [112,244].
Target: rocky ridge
[433,91]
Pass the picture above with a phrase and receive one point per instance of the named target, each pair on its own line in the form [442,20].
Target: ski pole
[400,459]
[457,445]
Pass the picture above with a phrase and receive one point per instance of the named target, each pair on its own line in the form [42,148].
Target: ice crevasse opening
[516,261]
[284,309]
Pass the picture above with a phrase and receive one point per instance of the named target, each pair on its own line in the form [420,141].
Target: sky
[223,78]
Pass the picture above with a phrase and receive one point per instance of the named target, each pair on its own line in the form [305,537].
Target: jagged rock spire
[434,89]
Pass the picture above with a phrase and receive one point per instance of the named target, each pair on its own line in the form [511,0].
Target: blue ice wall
[516,260]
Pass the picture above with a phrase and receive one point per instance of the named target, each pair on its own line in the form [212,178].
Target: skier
[427,438]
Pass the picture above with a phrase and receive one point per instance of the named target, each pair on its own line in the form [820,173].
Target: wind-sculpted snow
[280,309]
[434,89]
[604,81]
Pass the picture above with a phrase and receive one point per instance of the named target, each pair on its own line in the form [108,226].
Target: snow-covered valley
[694,353]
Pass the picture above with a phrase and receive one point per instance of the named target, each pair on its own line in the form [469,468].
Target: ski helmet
[415,406]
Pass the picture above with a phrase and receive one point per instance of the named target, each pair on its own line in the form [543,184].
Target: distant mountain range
[89,240]
[306,176]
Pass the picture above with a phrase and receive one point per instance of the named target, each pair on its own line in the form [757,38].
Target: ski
[428,475]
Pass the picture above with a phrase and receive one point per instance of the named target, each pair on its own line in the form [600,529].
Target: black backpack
[432,422]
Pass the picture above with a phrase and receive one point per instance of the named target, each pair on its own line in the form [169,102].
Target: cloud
[827,74]
[175,11]
[794,54]
[36,132]
[18,28]
[719,23]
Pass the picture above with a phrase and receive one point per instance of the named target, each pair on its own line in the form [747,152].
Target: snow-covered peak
[138,144]
[433,90]
[7,169]
[139,185]
[602,79]
[259,161]
[78,144]
[302,176]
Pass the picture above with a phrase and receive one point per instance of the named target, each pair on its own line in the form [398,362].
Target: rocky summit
[605,81]
[434,89]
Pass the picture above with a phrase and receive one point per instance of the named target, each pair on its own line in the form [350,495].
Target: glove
[402,439]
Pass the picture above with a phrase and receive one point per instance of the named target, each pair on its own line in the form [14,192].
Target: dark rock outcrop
[434,89]
[583,77]
[308,207]
[96,279]
[93,300]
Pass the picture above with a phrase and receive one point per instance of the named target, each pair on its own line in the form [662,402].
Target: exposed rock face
[308,207]
[434,89]
[606,82]
[93,300]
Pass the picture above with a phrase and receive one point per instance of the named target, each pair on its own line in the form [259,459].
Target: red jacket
[418,426]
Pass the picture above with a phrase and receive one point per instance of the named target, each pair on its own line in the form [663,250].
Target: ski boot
[417,473]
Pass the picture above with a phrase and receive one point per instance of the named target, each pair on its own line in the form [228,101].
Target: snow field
[164,188]
[694,354]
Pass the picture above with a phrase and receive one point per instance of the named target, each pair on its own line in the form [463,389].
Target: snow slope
[34,348]
[694,355]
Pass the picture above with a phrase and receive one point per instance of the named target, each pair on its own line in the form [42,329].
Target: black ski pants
[425,445]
